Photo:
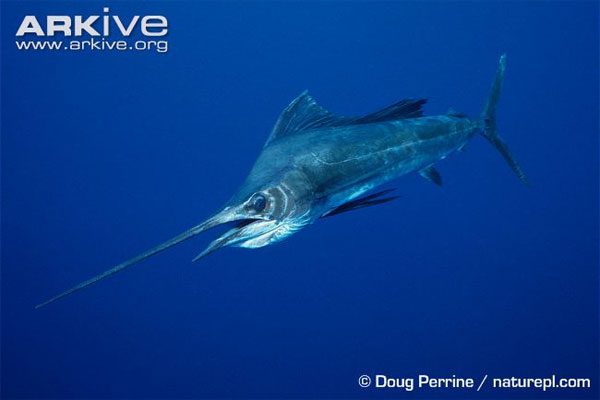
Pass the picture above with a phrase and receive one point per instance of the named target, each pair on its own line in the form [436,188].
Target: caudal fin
[488,117]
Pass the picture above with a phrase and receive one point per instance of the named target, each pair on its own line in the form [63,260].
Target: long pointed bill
[227,215]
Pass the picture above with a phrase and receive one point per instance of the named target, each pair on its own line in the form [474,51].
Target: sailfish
[317,164]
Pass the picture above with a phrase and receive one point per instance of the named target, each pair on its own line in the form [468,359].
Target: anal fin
[431,174]
[453,113]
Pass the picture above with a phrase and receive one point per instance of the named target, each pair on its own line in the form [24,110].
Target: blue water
[105,154]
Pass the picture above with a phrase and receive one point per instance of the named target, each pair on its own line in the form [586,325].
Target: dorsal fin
[304,113]
[403,109]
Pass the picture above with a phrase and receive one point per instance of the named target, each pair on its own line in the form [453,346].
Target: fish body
[324,168]
[316,164]
[342,163]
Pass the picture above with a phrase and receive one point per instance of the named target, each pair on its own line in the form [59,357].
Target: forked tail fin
[488,117]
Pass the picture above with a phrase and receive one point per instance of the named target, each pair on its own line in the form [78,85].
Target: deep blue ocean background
[106,154]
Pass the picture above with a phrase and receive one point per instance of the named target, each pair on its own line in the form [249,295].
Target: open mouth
[245,222]
[242,230]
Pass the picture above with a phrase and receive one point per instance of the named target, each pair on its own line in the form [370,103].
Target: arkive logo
[103,32]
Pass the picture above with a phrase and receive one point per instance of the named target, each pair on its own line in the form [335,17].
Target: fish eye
[259,202]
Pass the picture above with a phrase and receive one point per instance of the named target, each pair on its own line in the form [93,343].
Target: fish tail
[488,117]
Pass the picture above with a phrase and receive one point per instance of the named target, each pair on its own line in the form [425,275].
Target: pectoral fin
[367,201]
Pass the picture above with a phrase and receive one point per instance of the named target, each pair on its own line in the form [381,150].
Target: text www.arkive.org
[93,33]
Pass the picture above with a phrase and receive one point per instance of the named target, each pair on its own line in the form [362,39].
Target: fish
[316,164]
